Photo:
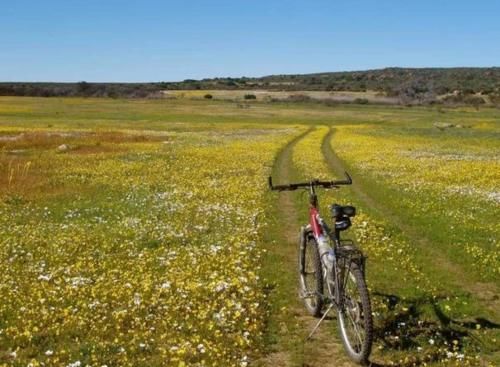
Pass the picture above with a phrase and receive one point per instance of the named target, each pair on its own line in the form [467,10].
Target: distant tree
[331,87]
[440,90]
[314,80]
[415,92]
[486,91]
[45,92]
[83,88]
[467,90]
[7,91]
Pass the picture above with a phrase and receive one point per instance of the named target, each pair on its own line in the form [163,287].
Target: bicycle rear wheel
[354,313]
[310,276]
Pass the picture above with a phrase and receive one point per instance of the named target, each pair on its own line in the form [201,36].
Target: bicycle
[332,271]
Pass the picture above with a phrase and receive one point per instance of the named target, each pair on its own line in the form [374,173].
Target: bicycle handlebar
[315,183]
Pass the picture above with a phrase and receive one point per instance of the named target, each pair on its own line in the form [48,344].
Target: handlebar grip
[348,181]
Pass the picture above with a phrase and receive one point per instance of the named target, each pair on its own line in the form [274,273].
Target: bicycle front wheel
[354,313]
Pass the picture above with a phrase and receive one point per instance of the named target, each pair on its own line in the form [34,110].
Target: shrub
[361,101]
[330,102]
[474,100]
[495,99]
[250,96]
[467,99]
[208,96]
[299,98]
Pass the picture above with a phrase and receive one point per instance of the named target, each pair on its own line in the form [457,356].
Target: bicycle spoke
[346,277]
[356,329]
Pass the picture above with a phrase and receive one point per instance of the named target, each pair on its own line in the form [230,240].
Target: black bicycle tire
[363,355]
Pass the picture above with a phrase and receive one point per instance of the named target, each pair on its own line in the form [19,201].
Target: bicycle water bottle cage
[342,215]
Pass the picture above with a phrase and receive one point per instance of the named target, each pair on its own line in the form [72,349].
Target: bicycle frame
[322,234]
[317,224]
[319,229]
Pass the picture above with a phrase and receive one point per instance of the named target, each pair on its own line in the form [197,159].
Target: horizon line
[253,77]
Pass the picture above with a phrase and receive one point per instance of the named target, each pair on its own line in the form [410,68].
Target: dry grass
[344,96]
[24,174]
[49,139]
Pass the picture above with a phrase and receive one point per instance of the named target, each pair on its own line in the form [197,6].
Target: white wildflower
[221,286]
[45,277]
[137,299]
[201,348]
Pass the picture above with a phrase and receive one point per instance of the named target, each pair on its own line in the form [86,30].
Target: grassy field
[141,232]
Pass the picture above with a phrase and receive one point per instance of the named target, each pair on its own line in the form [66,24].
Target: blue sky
[126,40]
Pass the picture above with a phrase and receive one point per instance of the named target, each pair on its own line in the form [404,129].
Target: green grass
[158,114]
[462,296]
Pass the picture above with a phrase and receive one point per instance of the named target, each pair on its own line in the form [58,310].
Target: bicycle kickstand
[320,321]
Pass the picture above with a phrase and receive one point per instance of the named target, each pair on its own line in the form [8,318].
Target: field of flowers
[133,248]
[134,232]
[407,311]
[447,180]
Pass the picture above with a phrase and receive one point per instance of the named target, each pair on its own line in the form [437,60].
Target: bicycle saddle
[339,211]
[342,215]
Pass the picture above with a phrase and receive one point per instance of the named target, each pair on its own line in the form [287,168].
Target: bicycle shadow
[402,327]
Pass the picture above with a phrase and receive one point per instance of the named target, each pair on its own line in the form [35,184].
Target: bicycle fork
[330,277]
